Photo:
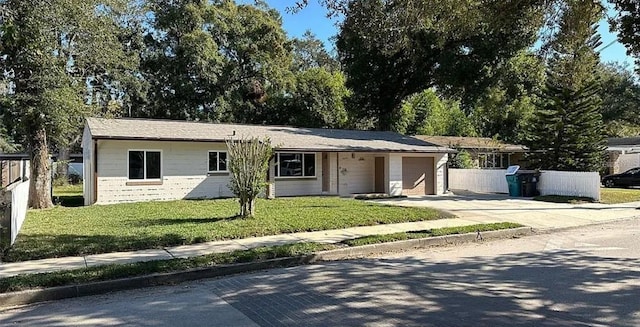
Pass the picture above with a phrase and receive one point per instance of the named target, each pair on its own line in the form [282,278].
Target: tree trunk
[40,180]
[62,166]
[252,207]
[243,207]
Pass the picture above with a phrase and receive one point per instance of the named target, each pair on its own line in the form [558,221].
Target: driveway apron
[490,208]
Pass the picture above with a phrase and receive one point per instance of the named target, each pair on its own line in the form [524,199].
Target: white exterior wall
[184,172]
[185,165]
[291,186]
[440,161]
[626,162]
[357,172]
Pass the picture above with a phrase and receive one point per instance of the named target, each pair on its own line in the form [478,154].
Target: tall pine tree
[567,131]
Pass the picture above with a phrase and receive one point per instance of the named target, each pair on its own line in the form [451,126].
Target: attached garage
[418,176]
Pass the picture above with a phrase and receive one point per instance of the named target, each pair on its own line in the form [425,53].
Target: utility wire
[608,45]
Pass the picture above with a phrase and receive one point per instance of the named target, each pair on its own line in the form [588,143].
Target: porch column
[394,172]
[271,180]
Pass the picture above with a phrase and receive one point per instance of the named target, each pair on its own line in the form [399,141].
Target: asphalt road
[582,277]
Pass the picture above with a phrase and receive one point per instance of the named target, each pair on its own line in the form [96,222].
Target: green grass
[68,195]
[63,231]
[116,271]
[618,195]
[375,239]
[607,196]
[563,199]
[68,190]
[110,272]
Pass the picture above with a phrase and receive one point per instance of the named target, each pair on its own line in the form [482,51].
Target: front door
[379,181]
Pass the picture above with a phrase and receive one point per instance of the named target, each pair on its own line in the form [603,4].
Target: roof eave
[354,149]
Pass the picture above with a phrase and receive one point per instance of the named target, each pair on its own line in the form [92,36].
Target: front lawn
[607,196]
[619,195]
[66,231]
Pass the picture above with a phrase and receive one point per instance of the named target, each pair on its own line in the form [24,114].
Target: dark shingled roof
[283,138]
[622,141]
[465,142]
[623,144]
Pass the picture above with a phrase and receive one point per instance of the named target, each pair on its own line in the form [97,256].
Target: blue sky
[313,18]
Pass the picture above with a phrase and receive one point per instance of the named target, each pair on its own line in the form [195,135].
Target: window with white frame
[493,160]
[295,164]
[218,161]
[145,164]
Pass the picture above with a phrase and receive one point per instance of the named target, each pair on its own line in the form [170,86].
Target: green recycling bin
[513,181]
[514,185]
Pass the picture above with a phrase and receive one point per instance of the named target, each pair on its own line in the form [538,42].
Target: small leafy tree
[425,113]
[462,159]
[249,165]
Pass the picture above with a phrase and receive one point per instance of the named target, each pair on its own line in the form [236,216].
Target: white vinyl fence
[16,200]
[478,180]
[585,184]
[569,183]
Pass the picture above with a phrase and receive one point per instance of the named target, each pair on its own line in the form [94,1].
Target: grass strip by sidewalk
[563,199]
[61,232]
[375,239]
[116,271]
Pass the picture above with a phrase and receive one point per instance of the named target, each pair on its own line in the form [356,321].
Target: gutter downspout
[446,180]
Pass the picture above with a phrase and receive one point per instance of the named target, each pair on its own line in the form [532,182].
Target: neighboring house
[129,160]
[485,152]
[13,167]
[623,154]
[75,167]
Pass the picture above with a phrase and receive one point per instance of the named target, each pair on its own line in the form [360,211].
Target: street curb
[96,288]
[421,243]
[593,224]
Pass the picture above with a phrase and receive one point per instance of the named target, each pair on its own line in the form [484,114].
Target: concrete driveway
[489,208]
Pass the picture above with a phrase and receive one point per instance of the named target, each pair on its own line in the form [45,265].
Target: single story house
[128,160]
[486,153]
[623,154]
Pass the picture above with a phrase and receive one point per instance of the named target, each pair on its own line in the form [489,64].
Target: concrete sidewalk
[185,251]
